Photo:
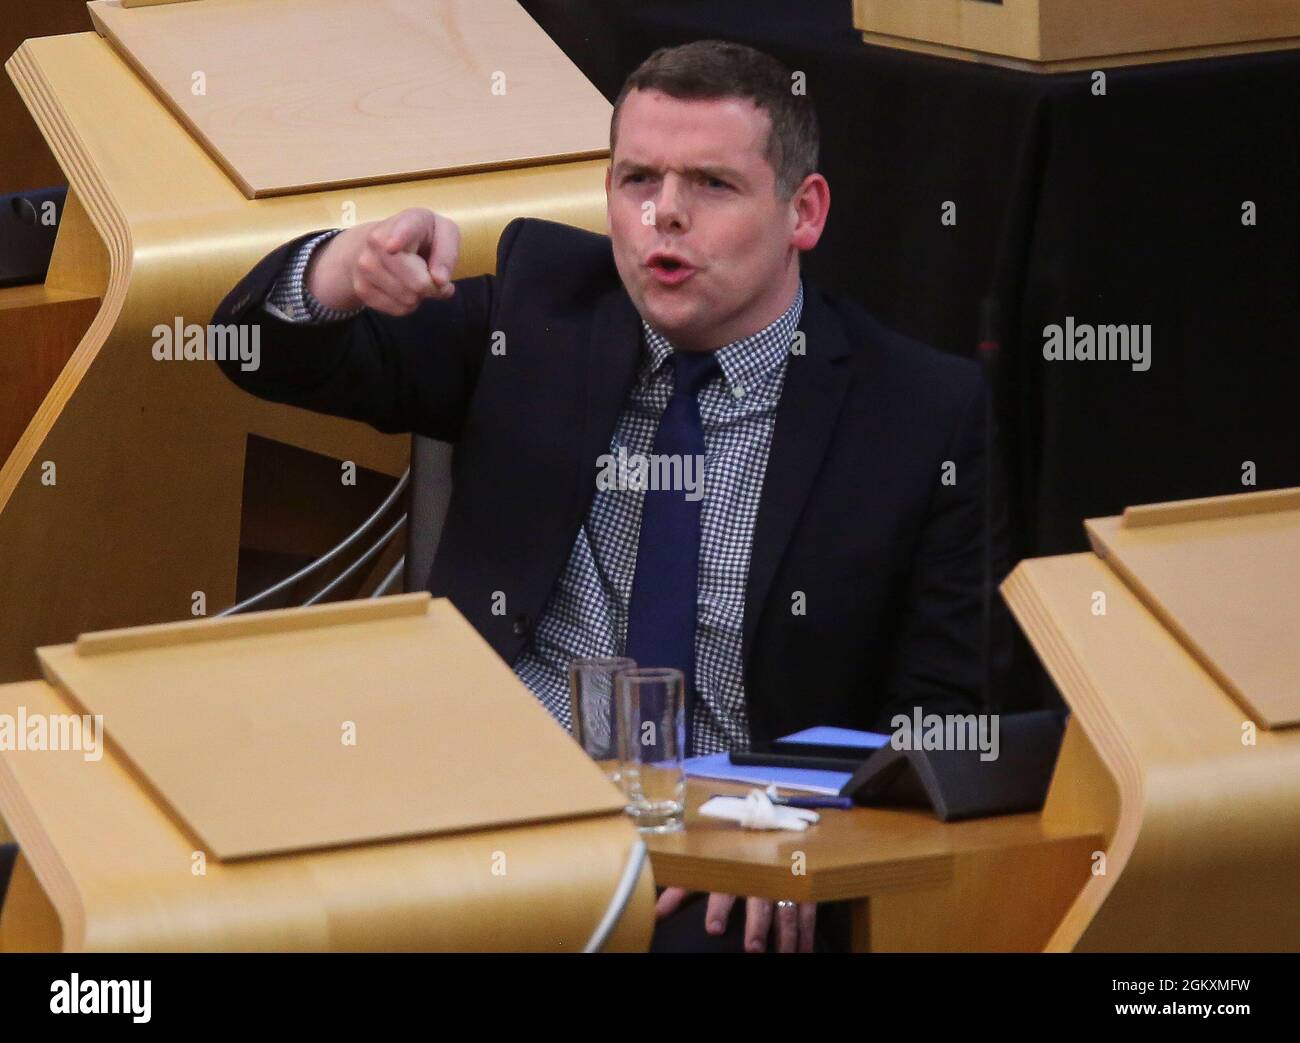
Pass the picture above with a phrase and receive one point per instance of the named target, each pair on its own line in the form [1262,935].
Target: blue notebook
[829,783]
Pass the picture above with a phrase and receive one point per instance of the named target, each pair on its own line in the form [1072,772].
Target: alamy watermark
[75,995]
[651,471]
[234,342]
[53,731]
[1084,342]
[951,731]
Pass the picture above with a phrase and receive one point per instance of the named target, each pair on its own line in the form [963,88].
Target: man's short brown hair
[708,69]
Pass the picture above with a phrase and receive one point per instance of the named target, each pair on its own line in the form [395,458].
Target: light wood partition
[121,484]
[1070,35]
[227,813]
[1199,795]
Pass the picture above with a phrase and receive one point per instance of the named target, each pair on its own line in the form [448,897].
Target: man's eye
[715,183]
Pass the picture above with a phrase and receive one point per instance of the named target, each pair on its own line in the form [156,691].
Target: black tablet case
[956,784]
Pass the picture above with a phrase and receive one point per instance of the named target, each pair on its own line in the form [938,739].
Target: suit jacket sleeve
[413,373]
[939,662]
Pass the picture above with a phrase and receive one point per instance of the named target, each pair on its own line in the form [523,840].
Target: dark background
[1120,209]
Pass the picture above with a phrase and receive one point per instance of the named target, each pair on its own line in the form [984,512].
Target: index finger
[404,235]
[446,249]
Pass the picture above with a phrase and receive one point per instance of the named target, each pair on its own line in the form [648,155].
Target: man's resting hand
[794,924]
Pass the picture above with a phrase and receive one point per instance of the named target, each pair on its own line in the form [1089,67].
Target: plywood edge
[40,853]
[108,221]
[37,848]
[1104,735]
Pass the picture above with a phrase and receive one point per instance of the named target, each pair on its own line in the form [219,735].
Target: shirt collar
[742,361]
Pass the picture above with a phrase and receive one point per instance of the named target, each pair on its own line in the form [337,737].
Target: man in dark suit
[827,566]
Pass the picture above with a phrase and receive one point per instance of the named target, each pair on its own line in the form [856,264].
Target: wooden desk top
[848,854]
[310,95]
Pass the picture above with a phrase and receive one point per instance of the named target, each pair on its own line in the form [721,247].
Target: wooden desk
[998,884]
[98,544]
[120,854]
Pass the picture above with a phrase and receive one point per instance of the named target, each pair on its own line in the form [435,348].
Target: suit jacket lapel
[613,351]
[814,389]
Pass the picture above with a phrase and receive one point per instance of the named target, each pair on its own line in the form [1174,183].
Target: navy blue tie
[662,614]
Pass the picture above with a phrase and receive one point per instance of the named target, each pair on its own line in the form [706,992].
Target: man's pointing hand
[390,265]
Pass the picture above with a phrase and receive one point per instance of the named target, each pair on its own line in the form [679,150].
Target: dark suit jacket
[855,516]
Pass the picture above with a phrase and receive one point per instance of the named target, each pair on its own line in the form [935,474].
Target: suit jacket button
[521,626]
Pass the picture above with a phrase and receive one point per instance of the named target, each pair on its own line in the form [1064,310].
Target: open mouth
[670,271]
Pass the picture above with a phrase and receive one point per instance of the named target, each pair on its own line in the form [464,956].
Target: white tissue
[756,811]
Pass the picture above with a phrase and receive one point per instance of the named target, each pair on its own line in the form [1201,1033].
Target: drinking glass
[591,698]
[652,734]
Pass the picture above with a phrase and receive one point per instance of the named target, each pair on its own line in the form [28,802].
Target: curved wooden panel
[148,455]
[1203,854]
[120,875]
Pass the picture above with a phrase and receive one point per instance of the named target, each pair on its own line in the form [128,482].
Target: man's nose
[671,207]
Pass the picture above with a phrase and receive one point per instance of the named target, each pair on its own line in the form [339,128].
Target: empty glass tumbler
[652,730]
[595,723]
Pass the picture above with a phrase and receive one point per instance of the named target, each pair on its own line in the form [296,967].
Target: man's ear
[812,204]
